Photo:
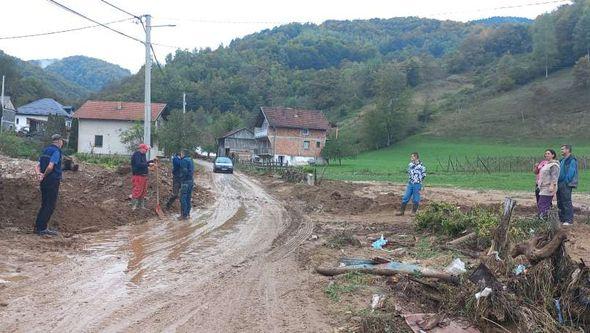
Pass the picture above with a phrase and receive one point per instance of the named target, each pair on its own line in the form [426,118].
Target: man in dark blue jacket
[568,180]
[187,169]
[49,175]
[175,180]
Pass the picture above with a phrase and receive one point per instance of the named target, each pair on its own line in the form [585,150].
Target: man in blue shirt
[49,174]
[187,169]
[568,180]
[175,180]
[416,175]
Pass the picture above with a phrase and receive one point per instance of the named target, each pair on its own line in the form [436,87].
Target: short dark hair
[416,154]
[186,152]
[552,152]
[568,147]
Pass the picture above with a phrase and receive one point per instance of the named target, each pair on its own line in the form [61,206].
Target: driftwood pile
[551,295]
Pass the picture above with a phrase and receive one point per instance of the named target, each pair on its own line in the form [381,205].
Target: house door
[281,159]
[226,151]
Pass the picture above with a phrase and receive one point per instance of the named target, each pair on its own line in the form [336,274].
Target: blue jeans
[564,203]
[186,192]
[412,191]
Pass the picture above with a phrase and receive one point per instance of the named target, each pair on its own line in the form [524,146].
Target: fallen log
[462,239]
[390,269]
[535,252]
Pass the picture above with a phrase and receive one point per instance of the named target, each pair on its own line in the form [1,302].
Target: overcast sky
[202,24]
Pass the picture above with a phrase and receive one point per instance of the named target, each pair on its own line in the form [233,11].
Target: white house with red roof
[100,124]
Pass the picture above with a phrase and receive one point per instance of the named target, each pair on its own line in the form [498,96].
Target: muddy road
[231,268]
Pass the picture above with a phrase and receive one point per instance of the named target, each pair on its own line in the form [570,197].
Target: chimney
[119,106]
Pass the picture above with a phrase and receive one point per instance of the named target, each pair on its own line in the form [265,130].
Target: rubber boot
[415,209]
[134,204]
[402,210]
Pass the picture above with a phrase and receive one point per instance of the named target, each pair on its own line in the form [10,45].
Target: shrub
[15,146]
[445,218]
[108,161]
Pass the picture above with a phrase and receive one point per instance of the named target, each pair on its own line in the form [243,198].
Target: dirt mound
[91,199]
[334,197]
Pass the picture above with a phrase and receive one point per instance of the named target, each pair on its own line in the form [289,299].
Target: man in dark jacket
[187,169]
[49,175]
[175,180]
[568,180]
[139,178]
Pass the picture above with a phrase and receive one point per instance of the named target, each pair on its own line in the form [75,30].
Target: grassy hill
[544,110]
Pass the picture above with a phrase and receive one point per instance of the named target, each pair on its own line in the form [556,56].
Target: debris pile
[91,199]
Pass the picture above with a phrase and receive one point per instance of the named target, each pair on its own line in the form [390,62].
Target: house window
[17,121]
[98,141]
[305,144]
[318,144]
[305,132]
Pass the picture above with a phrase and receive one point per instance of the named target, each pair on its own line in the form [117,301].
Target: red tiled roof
[108,110]
[295,118]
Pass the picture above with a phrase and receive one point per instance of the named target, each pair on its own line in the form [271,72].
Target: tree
[387,122]
[582,34]
[55,125]
[545,42]
[73,138]
[180,131]
[133,136]
[582,73]
[338,148]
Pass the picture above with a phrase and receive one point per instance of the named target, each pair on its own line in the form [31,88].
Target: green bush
[106,161]
[15,146]
[447,219]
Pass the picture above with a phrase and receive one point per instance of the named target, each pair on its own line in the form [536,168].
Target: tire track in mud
[226,271]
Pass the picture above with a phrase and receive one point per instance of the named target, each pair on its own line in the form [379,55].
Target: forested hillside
[26,82]
[381,79]
[90,73]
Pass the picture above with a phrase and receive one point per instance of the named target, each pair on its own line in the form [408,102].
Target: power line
[94,21]
[121,10]
[503,7]
[62,31]
[207,21]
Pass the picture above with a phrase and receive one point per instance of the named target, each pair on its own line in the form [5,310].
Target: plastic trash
[519,269]
[456,267]
[487,291]
[378,244]
[377,301]
[558,308]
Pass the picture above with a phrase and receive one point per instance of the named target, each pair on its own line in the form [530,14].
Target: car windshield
[223,160]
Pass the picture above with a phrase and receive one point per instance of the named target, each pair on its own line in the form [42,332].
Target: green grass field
[390,164]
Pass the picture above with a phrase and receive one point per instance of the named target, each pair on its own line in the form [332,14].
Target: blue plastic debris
[558,307]
[378,244]
[519,269]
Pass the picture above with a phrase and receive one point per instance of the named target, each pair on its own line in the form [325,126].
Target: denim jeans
[49,193]
[186,191]
[412,191]
[564,203]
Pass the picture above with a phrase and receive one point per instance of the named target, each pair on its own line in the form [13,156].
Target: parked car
[223,164]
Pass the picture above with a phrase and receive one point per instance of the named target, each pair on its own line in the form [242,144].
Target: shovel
[158,207]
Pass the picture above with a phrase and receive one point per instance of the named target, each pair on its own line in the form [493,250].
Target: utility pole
[183,102]
[147,119]
[2,106]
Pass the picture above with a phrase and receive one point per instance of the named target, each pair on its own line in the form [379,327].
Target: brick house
[291,136]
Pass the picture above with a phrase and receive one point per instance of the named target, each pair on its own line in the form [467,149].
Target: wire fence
[493,164]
